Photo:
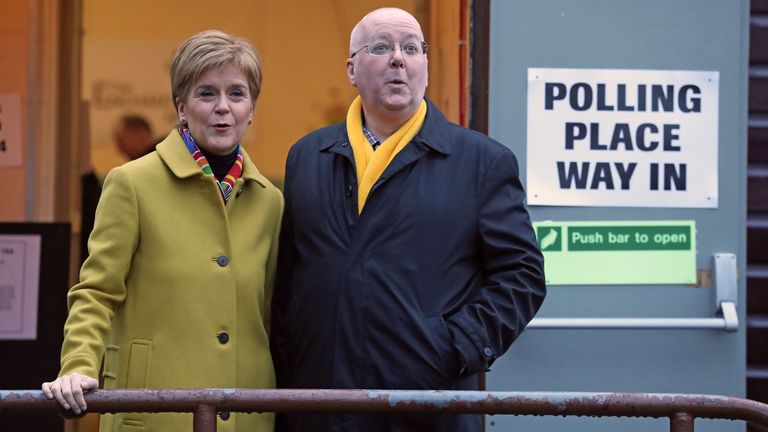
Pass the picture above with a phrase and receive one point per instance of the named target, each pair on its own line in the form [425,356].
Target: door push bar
[726,318]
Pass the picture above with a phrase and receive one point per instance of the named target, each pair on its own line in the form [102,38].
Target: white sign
[637,138]
[10,130]
[19,278]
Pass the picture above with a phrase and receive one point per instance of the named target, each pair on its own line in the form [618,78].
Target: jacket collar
[175,155]
[433,134]
[340,141]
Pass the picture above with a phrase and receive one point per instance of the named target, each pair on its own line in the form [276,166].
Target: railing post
[204,418]
[681,422]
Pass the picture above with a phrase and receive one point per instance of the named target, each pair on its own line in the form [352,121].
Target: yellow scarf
[371,164]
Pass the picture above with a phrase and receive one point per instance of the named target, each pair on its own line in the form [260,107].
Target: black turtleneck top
[220,164]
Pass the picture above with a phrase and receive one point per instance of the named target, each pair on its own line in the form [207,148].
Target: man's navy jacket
[425,288]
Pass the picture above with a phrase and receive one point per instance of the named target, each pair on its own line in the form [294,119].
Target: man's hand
[68,391]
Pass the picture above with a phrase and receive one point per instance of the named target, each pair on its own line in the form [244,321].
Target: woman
[177,288]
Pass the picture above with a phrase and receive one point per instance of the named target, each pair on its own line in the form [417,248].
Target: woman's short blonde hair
[208,50]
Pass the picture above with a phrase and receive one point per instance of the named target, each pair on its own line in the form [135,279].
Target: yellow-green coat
[171,268]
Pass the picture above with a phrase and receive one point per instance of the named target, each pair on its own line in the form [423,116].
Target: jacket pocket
[446,357]
[138,364]
[132,425]
[110,366]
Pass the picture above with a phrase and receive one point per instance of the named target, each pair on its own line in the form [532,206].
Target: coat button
[222,261]
[349,190]
[223,337]
[487,351]
[343,143]
[224,415]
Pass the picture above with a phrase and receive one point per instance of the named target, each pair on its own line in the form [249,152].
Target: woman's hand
[68,391]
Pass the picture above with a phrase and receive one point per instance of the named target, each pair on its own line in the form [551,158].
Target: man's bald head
[360,33]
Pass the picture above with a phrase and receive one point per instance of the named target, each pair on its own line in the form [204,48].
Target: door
[628,118]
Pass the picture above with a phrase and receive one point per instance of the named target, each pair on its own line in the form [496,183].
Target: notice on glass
[618,252]
[19,286]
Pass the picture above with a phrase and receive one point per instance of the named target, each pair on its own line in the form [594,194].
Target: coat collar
[175,155]
[433,134]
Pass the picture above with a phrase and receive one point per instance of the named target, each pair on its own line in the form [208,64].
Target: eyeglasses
[387,48]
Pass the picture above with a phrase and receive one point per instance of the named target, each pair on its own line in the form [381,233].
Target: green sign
[618,252]
[550,238]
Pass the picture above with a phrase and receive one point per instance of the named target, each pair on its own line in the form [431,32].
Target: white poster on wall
[637,138]
[19,286]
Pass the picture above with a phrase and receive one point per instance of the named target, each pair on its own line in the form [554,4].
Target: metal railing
[681,409]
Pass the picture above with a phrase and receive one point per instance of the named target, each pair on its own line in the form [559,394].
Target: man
[411,266]
[133,136]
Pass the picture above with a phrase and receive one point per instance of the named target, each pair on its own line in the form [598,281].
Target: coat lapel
[176,157]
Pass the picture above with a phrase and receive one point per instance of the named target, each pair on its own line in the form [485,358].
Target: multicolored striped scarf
[225,185]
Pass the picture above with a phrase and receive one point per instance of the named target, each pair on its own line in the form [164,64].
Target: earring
[250,121]
[183,121]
